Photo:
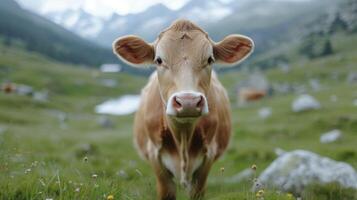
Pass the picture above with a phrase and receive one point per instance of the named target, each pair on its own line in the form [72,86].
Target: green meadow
[58,150]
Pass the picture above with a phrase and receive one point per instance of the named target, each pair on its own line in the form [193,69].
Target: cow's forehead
[175,45]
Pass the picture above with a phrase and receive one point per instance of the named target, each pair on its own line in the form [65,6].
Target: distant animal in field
[8,87]
[250,94]
[183,123]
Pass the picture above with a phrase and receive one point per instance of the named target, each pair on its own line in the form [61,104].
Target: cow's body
[183,122]
[247,94]
[157,143]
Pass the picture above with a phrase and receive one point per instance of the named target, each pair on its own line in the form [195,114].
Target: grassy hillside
[44,156]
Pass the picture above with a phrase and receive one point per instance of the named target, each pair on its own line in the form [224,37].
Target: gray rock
[122,174]
[293,171]
[352,77]
[315,84]
[299,89]
[331,136]
[265,112]
[282,88]
[110,68]
[305,102]
[3,129]
[24,90]
[41,96]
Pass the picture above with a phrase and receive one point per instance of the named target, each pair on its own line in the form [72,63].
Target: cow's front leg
[166,188]
[199,179]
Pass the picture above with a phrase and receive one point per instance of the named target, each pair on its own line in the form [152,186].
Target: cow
[250,94]
[183,123]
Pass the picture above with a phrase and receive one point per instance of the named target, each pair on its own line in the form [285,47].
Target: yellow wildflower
[222,169]
[254,167]
[290,196]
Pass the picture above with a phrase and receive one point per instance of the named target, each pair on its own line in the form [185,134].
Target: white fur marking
[169,163]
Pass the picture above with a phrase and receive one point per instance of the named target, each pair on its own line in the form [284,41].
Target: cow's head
[183,55]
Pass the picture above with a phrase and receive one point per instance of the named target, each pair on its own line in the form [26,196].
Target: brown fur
[251,94]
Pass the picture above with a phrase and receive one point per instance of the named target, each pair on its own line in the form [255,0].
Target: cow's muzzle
[187,104]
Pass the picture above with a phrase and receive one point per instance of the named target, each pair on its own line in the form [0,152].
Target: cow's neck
[182,131]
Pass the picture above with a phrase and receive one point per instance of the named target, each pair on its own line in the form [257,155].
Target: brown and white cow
[183,123]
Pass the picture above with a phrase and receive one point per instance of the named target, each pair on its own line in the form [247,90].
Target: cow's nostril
[176,103]
[200,102]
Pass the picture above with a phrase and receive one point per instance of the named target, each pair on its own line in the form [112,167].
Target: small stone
[24,90]
[352,77]
[355,102]
[122,174]
[41,96]
[304,103]
[265,112]
[331,136]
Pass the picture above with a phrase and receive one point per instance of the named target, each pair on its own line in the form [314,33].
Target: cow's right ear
[133,50]
[233,49]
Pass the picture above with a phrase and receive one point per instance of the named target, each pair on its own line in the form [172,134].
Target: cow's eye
[210,60]
[158,61]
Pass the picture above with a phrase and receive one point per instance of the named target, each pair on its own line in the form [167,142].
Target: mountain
[146,24]
[270,23]
[266,21]
[78,21]
[38,34]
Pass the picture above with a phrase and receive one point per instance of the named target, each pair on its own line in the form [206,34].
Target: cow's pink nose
[188,104]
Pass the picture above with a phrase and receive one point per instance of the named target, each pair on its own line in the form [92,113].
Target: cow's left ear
[133,50]
[233,49]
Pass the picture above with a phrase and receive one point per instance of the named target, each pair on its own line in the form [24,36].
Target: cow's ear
[133,50]
[233,49]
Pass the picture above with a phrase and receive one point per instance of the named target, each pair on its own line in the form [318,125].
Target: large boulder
[293,171]
[305,102]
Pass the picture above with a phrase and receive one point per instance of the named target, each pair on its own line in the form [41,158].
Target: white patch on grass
[124,105]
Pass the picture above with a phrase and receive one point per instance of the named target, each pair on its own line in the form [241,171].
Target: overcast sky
[99,7]
[102,7]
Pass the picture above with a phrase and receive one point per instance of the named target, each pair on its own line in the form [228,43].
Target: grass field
[46,156]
